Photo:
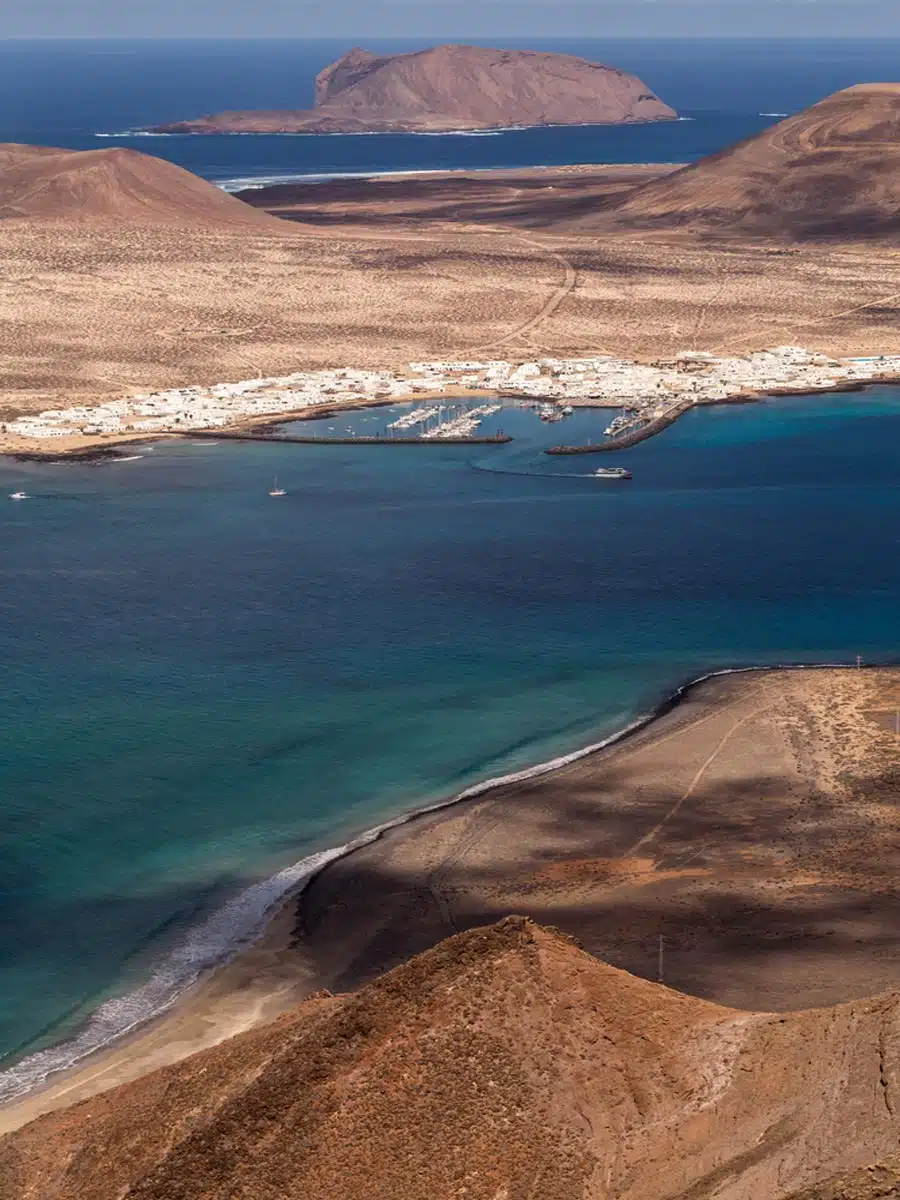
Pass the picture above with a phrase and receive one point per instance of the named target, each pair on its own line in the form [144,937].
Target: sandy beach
[754,826]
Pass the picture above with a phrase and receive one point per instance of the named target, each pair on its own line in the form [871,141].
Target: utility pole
[661,964]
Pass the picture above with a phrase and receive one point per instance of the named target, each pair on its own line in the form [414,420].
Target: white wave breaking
[239,922]
[254,182]
[491,131]
[133,133]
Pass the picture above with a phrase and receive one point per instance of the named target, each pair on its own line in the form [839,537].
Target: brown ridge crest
[117,184]
[832,171]
[503,1062]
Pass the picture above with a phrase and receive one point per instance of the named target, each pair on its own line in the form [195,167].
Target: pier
[649,430]
[218,435]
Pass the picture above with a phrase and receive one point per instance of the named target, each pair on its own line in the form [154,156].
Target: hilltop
[115,184]
[503,1062]
[832,171]
[452,87]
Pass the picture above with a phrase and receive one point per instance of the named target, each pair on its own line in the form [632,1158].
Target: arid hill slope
[506,1063]
[832,171]
[453,87]
[78,185]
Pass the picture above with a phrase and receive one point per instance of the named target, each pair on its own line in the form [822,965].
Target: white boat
[611,473]
[275,490]
[18,496]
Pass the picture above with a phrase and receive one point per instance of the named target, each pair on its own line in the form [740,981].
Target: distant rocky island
[452,87]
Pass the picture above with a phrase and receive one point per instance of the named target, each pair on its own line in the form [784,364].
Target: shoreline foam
[243,920]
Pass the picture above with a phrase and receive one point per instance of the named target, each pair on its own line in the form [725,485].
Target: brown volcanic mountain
[39,181]
[504,1063]
[831,171]
[453,87]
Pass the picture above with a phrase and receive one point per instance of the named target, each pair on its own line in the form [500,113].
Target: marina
[622,442]
[494,439]
[649,395]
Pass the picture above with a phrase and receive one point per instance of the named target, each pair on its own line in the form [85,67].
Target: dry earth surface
[94,310]
[878,1181]
[756,828]
[120,273]
[504,1064]
[828,172]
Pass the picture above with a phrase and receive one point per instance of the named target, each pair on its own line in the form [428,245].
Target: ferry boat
[612,473]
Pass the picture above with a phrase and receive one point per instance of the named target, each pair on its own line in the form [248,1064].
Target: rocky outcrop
[881,1181]
[452,87]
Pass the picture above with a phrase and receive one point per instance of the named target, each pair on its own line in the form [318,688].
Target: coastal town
[644,391]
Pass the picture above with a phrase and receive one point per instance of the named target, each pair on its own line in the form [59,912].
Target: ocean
[204,687]
[90,94]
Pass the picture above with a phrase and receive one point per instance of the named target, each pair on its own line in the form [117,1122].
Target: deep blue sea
[69,93]
[203,685]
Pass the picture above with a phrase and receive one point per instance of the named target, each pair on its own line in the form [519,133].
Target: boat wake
[489,470]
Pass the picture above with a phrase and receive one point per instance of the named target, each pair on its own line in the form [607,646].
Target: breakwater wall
[627,439]
[494,439]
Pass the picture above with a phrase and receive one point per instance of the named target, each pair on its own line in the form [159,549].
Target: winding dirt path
[695,782]
[570,279]
[810,322]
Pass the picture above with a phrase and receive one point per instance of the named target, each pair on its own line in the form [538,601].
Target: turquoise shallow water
[202,684]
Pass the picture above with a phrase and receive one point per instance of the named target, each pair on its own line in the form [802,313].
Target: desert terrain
[95,309]
[828,172]
[121,274]
[755,828]
[505,1062]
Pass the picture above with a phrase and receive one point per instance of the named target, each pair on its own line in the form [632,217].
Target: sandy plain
[91,310]
[755,827]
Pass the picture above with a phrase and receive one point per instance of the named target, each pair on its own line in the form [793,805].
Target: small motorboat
[18,496]
[275,490]
[611,473]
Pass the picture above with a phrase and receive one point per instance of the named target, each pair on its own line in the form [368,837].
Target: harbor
[649,395]
[624,440]
[492,439]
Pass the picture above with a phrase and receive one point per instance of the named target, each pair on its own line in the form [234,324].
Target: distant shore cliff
[452,87]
